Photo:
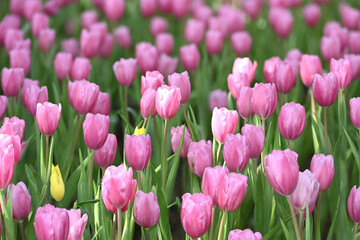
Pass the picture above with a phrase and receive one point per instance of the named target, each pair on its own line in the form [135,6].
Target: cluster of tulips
[242,179]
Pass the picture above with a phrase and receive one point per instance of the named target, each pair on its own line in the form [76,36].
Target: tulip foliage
[179,119]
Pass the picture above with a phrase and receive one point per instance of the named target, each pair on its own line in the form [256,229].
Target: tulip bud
[152,80]
[176,134]
[194,31]
[223,122]
[16,7]
[264,99]
[80,68]
[190,57]
[11,37]
[343,71]
[57,187]
[90,42]
[96,130]
[30,8]
[325,89]
[147,103]
[269,69]
[202,13]
[210,181]
[285,78]
[291,121]
[105,156]
[107,46]
[158,25]
[180,8]
[23,45]
[281,20]
[11,81]
[7,162]
[52,7]
[102,104]
[353,202]
[330,47]
[164,43]
[334,29]
[309,65]
[164,5]
[167,101]
[244,66]
[256,137]
[218,98]
[83,95]
[70,46]
[113,9]
[181,81]
[62,65]
[355,64]
[232,191]
[236,152]
[236,82]
[349,16]
[14,140]
[246,234]
[138,151]
[243,103]
[353,44]
[282,171]
[146,209]
[147,56]
[252,8]
[355,111]
[125,71]
[148,7]
[8,22]
[167,65]
[21,201]
[3,106]
[196,214]
[323,168]
[306,191]
[200,156]
[46,39]
[13,126]
[88,18]
[47,117]
[311,14]
[20,58]
[118,186]
[241,43]
[123,36]
[77,224]
[214,41]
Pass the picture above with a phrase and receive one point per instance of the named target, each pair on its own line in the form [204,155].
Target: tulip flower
[214,41]
[349,16]
[80,68]
[223,122]
[194,31]
[246,234]
[281,20]
[147,56]
[180,8]
[264,99]
[70,46]
[146,209]
[323,168]
[256,137]
[62,65]
[200,156]
[325,89]
[167,64]
[39,22]
[353,44]
[306,191]
[291,121]
[158,25]
[77,224]
[125,71]
[13,126]
[168,99]
[96,129]
[105,156]
[11,81]
[311,14]
[14,140]
[47,117]
[269,69]
[285,78]
[138,151]
[210,181]
[241,42]
[330,47]
[190,57]
[57,187]
[309,65]
[21,201]
[113,9]
[46,39]
[83,95]
[11,37]
[3,106]
[218,98]
[152,80]
[176,134]
[164,42]
[147,103]
[7,163]
[355,111]
[353,202]
[342,69]
[236,152]
[88,18]
[102,104]
[123,36]
[243,102]
[236,82]
[244,66]
[182,81]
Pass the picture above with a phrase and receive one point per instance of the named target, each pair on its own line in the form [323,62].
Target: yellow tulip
[57,187]
[139,131]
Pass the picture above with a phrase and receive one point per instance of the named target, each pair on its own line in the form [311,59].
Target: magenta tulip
[176,134]
[325,89]
[190,57]
[3,106]
[200,156]
[147,56]
[285,78]
[138,151]
[88,18]
[353,203]
[349,16]
[243,103]
[11,81]
[264,99]
[164,43]
[306,191]
[330,47]
[102,104]
[96,129]
[311,14]
[323,168]
[236,152]
[210,181]
[62,65]
[181,81]
[309,65]
[13,126]
[241,42]
[46,39]
[70,46]
[80,68]
[83,95]
[158,25]
[291,121]
[146,209]
[217,98]
[77,224]
[223,122]
[281,20]
[244,66]
[167,65]
[113,9]
[343,71]
[21,201]
[246,234]
[269,69]
[47,117]
[355,111]
[125,71]
[167,101]
[123,36]
[236,82]
[214,41]
[194,31]
[152,80]
[256,137]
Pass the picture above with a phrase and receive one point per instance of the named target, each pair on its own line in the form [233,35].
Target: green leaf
[89,202]
[333,224]
[275,230]
[97,234]
[286,231]
[307,224]
[32,185]
[353,149]
[164,217]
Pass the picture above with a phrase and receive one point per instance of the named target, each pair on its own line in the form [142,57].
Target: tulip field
[179,119]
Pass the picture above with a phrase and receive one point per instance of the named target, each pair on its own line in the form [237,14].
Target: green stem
[318,214]
[91,167]
[11,107]
[126,103]
[212,223]
[221,226]
[218,153]
[3,206]
[291,143]
[139,180]
[73,146]
[294,218]
[355,230]
[313,109]
[113,235]
[255,165]
[164,157]
[22,230]
[326,129]
[47,153]
[262,153]
[301,224]
[119,223]
[145,122]
[185,116]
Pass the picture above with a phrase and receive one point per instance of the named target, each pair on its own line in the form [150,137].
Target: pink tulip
[102,104]
[164,43]
[125,71]
[306,191]
[32,95]
[39,22]
[200,156]
[252,8]
[353,44]
[118,186]
[147,103]
[325,89]
[349,16]
[3,106]
[14,140]
[147,56]
[152,80]
[20,58]
[13,126]
[323,168]
[80,69]
[77,224]
[218,24]
[196,214]
[214,41]
[123,36]
[180,8]
[181,81]
[223,122]
[309,65]
[11,81]
[343,71]
[168,99]
[62,65]
[47,117]
[70,46]
[355,111]
[291,121]
[282,171]
[12,36]
[90,43]
[281,20]
[167,65]
[164,5]
[236,152]
[21,201]
[46,39]
[30,8]
[243,102]
[148,7]
[246,234]
[51,223]
[311,14]
[107,46]
[8,22]
[146,209]
[210,181]
[256,137]
[355,64]
[23,45]
[217,98]
[231,191]
[190,57]
[158,25]
[285,78]
[88,18]
[241,42]
[244,66]
[293,55]
[105,156]
[264,100]
[194,31]
[176,134]
[96,129]
[7,163]
[236,82]
[138,151]
[233,18]
[83,95]
[353,202]
[330,47]
[334,29]
[113,9]
[16,7]
[269,69]
[203,13]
